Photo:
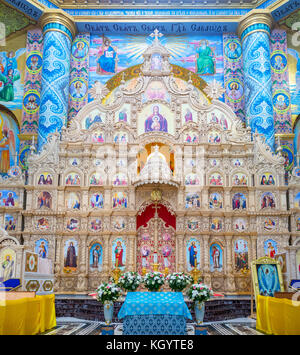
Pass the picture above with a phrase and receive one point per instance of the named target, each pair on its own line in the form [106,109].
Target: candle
[155,257]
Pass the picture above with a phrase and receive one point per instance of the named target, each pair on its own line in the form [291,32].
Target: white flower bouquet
[130,281]
[154,280]
[178,281]
[199,292]
[108,291]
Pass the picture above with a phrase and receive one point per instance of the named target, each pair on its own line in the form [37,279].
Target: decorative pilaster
[59,31]
[254,31]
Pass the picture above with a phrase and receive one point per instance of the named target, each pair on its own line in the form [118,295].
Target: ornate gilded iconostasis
[124,150]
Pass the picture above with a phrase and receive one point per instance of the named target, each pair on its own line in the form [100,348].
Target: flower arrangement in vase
[154,280]
[178,281]
[107,293]
[130,281]
[199,293]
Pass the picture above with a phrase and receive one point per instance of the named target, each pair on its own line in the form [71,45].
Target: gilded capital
[58,20]
[255,20]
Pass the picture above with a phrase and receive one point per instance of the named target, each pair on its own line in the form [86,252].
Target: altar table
[27,316]
[278,316]
[154,313]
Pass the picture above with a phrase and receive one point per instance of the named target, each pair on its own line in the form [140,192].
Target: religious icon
[278,61]
[214,137]
[268,280]
[78,89]
[166,252]
[96,252]
[188,117]
[43,224]
[156,90]
[270,248]
[216,257]
[79,48]
[120,137]
[239,201]
[96,179]
[239,179]
[193,254]
[267,179]
[44,199]
[234,90]
[10,222]
[233,50]
[107,58]
[204,59]
[97,200]
[241,255]
[7,93]
[239,225]
[41,248]
[192,225]
[216,224]
[34,62]
[98,137]
[120,200]
[31,101]
[73,201]
[119,223]
[122,117]
[267,200]
[192,200]
[156,61]
[72,224]
[118,254]
[298,225]
[215,201]
[269,224]
[156,122]
[7,264]
[45,179]
[73,179]
[281,101]
[145,252]
[216,180]
[96,224]
[71,249]
[191,179]
[191,137]
[93,117]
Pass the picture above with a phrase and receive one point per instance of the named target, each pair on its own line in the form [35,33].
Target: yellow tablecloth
[27,316]
[278,316]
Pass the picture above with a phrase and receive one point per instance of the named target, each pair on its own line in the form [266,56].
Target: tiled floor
[73,326]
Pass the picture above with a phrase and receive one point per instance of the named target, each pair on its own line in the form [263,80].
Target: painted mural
[45,179]
[192,200]
[112,53]
[9,142]
[297,200]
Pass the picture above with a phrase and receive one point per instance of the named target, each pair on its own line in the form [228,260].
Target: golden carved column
[180,253]
[206,253]
[132,253]
[106,250]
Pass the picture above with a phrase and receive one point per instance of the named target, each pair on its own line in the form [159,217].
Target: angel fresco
[7,145]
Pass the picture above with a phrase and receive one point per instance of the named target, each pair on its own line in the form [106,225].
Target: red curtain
[163,213]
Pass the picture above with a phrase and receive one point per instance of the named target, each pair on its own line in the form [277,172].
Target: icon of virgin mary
[156,122]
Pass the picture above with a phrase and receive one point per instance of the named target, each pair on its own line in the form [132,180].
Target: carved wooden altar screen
[156,233]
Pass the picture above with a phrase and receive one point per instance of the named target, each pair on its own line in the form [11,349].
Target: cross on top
[156,34]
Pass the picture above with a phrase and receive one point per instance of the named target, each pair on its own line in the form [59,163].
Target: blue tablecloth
[159,303]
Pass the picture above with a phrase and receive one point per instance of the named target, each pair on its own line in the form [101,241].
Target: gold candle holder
[116,274]
[166,271]
[195,274]
[144,271]
[155,266]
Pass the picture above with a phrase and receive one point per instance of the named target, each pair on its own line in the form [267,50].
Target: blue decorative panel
[258,85]
[55,85]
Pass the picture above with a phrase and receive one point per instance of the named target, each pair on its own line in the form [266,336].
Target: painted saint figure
[193,254]
[204,62]
[156,122]
[107,61]
[119,255]
[7,93]
[71,259]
